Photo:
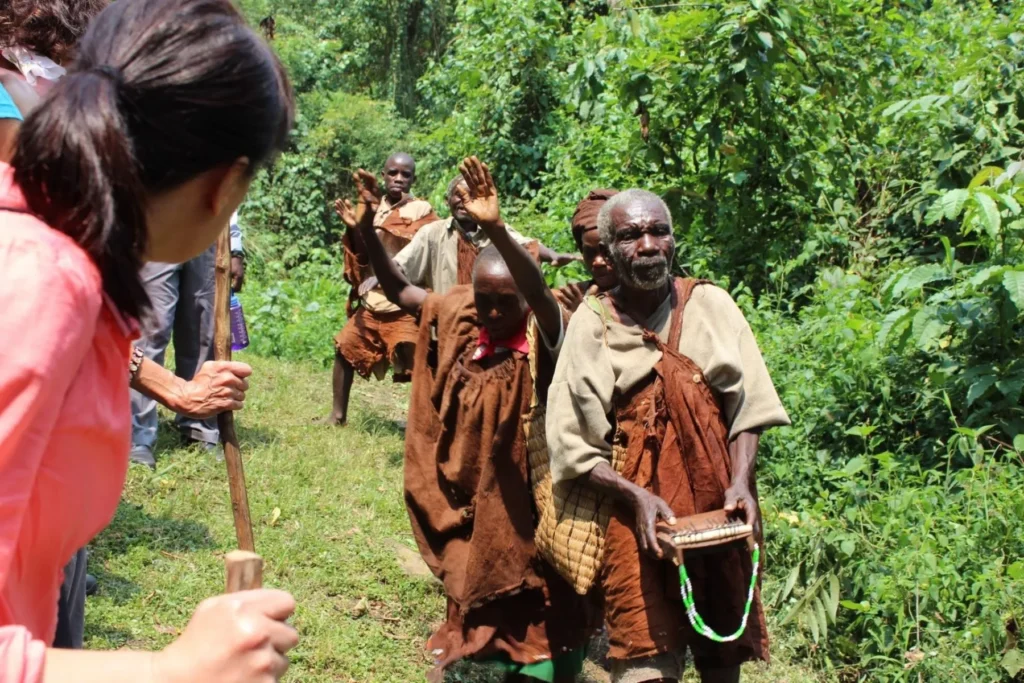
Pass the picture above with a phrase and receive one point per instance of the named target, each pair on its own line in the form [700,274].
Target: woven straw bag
[571,517]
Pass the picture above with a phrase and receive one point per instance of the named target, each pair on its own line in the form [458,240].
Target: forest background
[850,170]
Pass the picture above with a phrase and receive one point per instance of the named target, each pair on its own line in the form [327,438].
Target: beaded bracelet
[135,363]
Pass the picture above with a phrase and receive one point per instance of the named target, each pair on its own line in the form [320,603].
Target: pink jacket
[64,422]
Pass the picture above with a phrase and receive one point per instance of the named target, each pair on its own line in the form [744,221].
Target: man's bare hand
[346,212]
[480,195]
[219,386]
[367,188]
[740,503]
[647,508]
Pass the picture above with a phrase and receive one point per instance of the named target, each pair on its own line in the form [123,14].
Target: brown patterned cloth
[466,260]
[467,491]
[468,252]
[371,341]
[676,445]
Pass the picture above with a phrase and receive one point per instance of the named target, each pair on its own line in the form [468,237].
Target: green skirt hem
[549,670]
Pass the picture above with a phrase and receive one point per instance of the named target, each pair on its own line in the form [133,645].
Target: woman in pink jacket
[143,151]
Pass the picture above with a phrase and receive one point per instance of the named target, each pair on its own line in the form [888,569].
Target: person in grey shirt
[182,299]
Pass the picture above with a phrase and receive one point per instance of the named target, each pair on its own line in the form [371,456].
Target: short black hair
[401,156]
[490,259]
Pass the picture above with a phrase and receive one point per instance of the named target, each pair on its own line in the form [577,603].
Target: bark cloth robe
[636,387]
[378,333]
[468,495]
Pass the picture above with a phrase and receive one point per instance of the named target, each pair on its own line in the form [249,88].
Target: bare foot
[332,420]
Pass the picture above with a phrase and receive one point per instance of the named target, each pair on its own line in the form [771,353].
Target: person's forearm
[160,384]
[604,479]
[392,280]
[743,455]
[546,254]
[356,233]
[121,666]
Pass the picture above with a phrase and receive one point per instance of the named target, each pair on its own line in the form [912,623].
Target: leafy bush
[291,204]
[296,313]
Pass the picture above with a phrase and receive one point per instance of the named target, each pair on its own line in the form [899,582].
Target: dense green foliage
[851,170]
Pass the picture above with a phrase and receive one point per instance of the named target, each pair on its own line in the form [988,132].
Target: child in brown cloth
[668,371]
[378,333]
[584,233]
[467,487]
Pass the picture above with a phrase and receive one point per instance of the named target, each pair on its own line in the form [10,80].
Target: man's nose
[647,244]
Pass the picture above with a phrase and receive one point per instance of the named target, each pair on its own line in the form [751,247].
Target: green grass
[328,519]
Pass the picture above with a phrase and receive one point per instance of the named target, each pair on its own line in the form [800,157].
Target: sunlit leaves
[1013,282]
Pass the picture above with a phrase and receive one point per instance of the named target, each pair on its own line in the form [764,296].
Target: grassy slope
[337,542]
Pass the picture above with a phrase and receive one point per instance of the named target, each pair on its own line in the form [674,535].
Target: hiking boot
[142,455]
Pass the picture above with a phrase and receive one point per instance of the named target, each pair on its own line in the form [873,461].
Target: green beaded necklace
[691,609]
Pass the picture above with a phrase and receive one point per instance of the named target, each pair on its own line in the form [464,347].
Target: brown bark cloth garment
[466,260]
[466,257]
[372,339]
[676,447]
[467,492]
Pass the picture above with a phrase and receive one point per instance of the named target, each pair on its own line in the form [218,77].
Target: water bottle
[239,335]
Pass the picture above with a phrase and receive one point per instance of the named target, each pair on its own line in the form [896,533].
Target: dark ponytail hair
[161,91]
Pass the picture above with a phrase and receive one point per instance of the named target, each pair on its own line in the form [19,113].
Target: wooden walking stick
[244,567]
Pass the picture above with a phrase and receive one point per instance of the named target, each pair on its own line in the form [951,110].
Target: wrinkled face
[643,246]
[455,204]
[597,263]
[399,175]
[499,305]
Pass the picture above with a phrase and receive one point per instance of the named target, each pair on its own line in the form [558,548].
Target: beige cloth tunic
[431,260]
[412,210]
[593,367]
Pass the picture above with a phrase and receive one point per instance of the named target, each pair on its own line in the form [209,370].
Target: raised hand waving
[480,196]
[346,212]
[367,188]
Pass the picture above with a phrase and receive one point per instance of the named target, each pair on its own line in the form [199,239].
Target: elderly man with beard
[684,398]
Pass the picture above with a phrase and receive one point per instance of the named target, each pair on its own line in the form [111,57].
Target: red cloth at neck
[486,346]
